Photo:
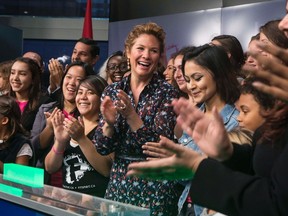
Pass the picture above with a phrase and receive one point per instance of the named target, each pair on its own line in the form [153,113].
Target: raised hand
[154,151]
[108,111]
[56,73]
[125,108]
[207,131]
[181,165]
[275,72]
[49,116]
[60,134]
[74,127]
[123,105]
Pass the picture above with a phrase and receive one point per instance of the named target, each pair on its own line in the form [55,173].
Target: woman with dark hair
[207,71]
[215,64]
[42,132]
[181,84]
[169,71]
[73,143]
[233,48]
[26,89]
[250,61]
[179,79]
[270,33]
[15,147]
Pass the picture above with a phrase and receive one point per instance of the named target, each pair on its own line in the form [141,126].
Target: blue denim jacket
[229,115]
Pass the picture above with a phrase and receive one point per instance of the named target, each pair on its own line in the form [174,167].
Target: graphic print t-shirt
[79,175]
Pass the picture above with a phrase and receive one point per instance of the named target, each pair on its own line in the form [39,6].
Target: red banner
[87,27]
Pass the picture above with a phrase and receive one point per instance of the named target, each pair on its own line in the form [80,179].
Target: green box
[25,175]
[11,190]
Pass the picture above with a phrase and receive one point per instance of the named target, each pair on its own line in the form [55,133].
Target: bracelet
[57,152]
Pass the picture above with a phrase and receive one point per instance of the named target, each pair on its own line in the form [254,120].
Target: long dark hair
[10,109]
[216,60]
[274,34]
[34,90]
[233,46]
[276,123]
[88,71]
[182,51]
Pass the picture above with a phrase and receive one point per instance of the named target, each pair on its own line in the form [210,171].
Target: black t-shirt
[78,173]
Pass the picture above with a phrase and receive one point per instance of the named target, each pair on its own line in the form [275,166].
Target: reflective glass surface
[57,201]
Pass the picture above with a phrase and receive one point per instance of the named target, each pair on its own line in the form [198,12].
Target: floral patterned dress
[159,119]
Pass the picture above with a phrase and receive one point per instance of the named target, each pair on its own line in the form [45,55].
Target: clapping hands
[60,133]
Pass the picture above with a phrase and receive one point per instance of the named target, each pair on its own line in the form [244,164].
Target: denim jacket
[229,115]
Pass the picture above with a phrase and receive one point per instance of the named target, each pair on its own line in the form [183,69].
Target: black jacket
[262,190]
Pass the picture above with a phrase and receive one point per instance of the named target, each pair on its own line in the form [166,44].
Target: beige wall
[56,28]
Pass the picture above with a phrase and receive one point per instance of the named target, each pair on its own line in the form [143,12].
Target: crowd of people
[233,179]
[205,135]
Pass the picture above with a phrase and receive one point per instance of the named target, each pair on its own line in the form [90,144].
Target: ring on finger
[123,107]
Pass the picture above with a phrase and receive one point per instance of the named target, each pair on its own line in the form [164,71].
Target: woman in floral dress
[134,111]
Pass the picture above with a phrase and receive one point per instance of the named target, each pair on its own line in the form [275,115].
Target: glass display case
[19,199]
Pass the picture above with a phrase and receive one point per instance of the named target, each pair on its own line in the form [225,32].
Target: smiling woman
[114,67]
[73,143]
[25,88]
[211,82]
[134,111]
[42,132]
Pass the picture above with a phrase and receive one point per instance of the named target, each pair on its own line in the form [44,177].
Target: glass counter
[48,200]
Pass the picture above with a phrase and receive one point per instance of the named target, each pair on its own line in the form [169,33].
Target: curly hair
[149,28]
[276,123]
[265,100]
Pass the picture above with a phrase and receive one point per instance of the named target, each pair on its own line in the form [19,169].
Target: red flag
[87,27]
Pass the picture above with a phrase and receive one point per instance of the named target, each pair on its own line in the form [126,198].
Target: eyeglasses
[122,67]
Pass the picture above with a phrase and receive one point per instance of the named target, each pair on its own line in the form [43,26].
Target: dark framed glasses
[122,67]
